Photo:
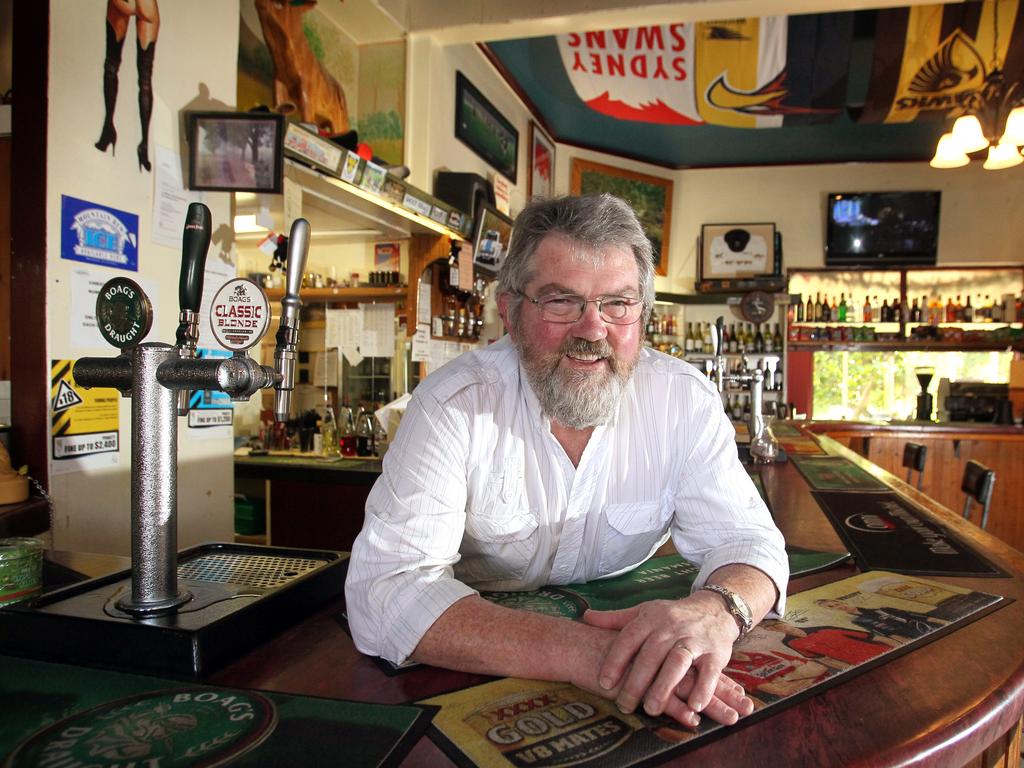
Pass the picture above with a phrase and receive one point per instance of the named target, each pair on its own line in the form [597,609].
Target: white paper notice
[346,334]
[421,344]
[85,287]
[170,199]
[423,303]
[378,330]
[325,368]
[292,203]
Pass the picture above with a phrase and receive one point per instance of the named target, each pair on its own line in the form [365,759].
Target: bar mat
[834,473]
[830,634]
[65,715]
[661,578]
[884,530]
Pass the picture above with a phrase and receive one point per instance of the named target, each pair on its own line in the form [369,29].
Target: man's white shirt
[477,494]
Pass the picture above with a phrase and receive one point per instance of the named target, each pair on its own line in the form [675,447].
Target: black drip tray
[242,594]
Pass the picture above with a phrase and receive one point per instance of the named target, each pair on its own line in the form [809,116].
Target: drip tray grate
[249,570]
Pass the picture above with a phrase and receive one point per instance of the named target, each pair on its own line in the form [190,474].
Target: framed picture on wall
[541,182]
[650,196]
[493,233]
[730,251]
[235,151]
[482,128]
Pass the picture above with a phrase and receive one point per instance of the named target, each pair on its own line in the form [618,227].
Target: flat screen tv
[882,229]
[235,151]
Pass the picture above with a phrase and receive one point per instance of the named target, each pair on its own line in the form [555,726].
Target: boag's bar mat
[834,473]
[66,715]
[830,635]
[799,445]
[884,530]
[661,578]
[780,429]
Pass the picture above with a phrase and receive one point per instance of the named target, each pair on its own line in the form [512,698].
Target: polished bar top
[883,426]
[943,703]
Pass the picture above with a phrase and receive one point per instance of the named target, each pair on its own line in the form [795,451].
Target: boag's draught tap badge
[240,314]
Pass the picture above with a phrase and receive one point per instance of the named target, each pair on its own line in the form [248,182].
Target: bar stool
[978,483]
[913,459]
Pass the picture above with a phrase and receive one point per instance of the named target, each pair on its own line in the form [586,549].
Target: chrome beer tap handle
[288,332]
[195,242]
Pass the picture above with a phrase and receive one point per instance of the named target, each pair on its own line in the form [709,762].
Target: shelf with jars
[938,308]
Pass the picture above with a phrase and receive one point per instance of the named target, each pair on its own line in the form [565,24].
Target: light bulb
[1014,133]
[1002,155]
[968,134]
[948,154]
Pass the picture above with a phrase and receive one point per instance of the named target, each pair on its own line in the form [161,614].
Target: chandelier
[994,119]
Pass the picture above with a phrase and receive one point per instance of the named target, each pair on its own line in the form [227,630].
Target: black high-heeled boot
[144,57]
[111,63]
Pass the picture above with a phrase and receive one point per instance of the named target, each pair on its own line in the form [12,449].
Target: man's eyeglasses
[569,307]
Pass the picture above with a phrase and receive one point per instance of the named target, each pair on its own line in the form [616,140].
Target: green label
[123,313]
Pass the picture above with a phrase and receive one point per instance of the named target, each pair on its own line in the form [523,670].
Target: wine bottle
[968,310]
[809,310]
[842,308]
[866,311]
[817,308]
[758,340]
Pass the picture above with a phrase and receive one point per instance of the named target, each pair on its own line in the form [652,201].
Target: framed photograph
[730,251]
[542,164]
[314,150]
[235,151]
[493,233]
[650,196]
[484,129]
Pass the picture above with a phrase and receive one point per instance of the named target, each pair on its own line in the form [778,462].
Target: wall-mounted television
[882,229]
[493,234]
[235,151]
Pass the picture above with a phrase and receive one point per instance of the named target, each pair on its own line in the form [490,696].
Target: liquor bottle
[346,430]
[885,314]
[778,375]
[746,407]
[876,310]
[799,314]
[968,310]
[826,311]
[996,311]
[809,310]
[688,340]
[777,339]
[915,312]
[734,344]
[866,311]
[818,311]
[651,329]
[737,409]
[950,311]
[842,308]
[758,341]
[330,446]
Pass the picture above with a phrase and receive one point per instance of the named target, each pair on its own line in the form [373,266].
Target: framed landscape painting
[650,196]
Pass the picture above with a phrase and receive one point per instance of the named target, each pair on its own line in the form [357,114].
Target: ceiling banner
[930,61]
[748,73]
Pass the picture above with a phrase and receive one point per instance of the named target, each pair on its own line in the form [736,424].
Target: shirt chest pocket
[631,531]
[498,541]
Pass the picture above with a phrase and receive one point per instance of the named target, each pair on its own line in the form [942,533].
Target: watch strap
[733,602]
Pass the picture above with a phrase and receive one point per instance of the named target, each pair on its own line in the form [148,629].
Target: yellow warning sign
[82,421]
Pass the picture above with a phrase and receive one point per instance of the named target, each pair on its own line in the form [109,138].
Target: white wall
[93,507]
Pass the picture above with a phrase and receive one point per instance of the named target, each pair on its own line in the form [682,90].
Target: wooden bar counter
[953,702]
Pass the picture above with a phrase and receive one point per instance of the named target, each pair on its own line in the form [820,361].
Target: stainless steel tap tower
[763,448]
[157,377]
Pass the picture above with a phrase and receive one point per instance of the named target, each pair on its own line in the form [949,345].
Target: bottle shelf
[908,345]
[343,295]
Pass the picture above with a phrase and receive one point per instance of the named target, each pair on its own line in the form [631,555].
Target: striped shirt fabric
[477,494]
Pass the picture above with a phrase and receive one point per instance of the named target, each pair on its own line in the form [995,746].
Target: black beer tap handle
[195,242]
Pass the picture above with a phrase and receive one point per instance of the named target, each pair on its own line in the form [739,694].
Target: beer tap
[760,450]
[195,243]
[288,331]
[153,375]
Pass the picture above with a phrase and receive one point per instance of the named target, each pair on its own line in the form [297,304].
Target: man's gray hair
[591,221]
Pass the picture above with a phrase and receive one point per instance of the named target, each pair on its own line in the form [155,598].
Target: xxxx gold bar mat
[661,578]
[885,530]
[834,473]
[60,715]
[829,635]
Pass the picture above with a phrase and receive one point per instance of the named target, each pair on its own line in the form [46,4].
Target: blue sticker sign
[97,234]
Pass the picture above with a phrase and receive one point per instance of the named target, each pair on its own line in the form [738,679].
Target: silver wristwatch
[736,605]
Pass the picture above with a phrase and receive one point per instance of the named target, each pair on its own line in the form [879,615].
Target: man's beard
[577,399]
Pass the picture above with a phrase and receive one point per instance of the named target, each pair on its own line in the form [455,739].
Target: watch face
[757,306]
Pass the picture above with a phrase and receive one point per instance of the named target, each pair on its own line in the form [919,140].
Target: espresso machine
[181,613]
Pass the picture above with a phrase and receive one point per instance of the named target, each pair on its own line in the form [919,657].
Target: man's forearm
[475,635]
[750,583]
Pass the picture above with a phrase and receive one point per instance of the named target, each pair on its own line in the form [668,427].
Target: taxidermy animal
[301,84]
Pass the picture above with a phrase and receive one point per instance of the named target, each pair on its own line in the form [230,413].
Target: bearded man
[564,453]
